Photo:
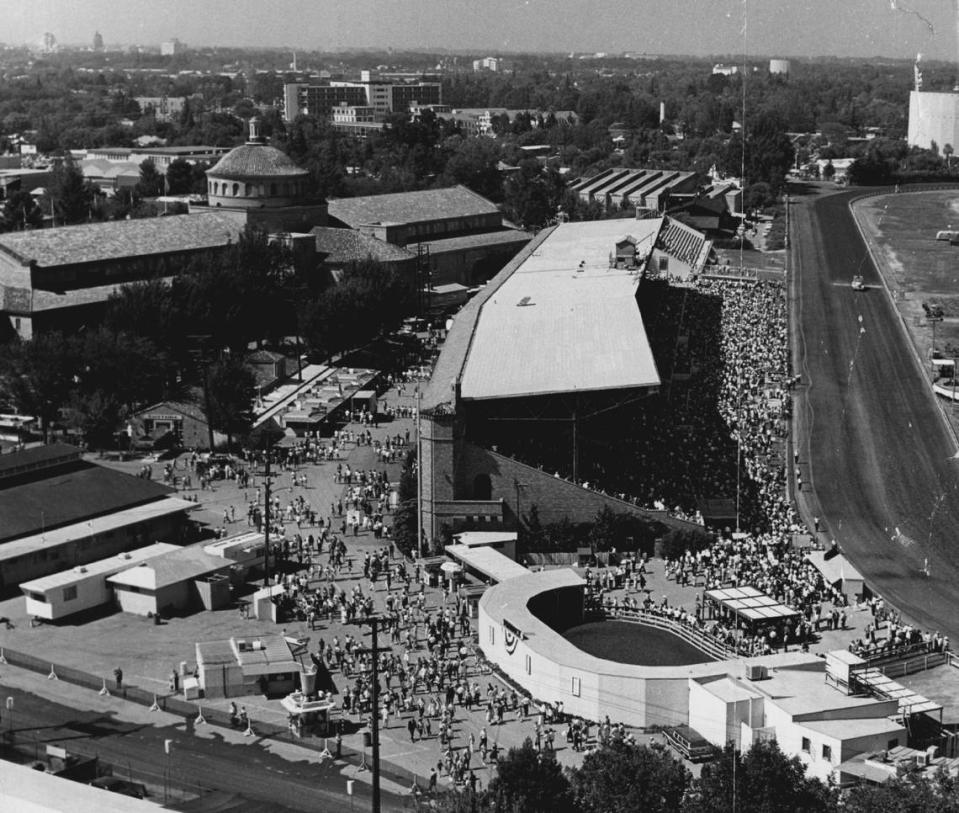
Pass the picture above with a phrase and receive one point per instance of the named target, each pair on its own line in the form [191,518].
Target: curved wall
[550,668]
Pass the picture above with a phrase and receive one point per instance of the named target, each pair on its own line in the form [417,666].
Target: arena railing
[696,638]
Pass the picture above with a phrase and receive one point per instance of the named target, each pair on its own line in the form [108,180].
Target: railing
[692,636]
[190,711]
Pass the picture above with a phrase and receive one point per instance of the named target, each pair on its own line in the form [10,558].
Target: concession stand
[748,608]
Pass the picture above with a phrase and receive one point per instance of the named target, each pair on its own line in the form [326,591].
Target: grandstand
[645,189]
[555,343]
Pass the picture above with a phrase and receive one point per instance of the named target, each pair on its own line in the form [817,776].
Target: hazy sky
[774,28]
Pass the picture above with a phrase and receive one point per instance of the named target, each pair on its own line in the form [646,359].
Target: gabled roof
[188,410]
[411,207]
[347,245]
[170,568]
[116,239]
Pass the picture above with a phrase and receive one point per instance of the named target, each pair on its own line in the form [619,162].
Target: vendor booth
[309,717]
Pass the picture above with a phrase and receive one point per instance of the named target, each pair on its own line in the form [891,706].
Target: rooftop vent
[525,302]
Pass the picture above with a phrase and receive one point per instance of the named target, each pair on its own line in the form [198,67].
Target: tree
[405,520]
[151,181]
[230,386]
[70,193]
[622,778]
[37,376]
[762,779]
[907,794]
[528,781]
[179,177]
[20,211]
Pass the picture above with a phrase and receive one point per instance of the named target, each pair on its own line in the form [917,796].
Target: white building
[83,587]
[933,117]
[172,47]
[793,705]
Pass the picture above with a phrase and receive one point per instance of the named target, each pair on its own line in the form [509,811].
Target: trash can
[367,739]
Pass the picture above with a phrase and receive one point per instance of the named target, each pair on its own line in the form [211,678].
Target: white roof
[834,570]
[751,603]
[550,328]
[93,527]
[182,564]
[488,561]
[480,538]
[103,567]
[240,542]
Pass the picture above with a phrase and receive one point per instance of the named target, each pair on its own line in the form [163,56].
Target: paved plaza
[148,652]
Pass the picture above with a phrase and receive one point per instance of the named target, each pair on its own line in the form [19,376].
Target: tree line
[621,777]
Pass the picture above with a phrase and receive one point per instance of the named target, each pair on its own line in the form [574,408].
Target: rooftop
[102,567]
[253,160]
[81,492]
[36,458]
[347,245]
[506,237]
[171,568]
[576,319]
[487,561]
[115,239]
[89,529]
[410,207]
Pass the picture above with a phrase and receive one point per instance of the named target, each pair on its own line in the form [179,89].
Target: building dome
[256,160]
[255,175]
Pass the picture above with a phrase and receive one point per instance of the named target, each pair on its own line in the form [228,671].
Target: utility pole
[373,621]
[376,717]
[419,478]
[266,516]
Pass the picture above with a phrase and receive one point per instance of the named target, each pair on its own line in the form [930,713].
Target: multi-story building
[164,108]
[383,95]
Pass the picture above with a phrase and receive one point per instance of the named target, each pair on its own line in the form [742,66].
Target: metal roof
[564,320]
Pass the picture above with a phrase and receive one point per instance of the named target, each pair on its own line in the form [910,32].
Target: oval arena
[519,623]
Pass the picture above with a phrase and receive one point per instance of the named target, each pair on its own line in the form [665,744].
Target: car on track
[858,284]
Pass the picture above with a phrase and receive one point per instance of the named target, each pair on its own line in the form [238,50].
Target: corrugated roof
[96,242]
[551,327]
[347,245]
[410,207]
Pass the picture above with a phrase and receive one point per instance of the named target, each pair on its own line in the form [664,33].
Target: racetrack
[872,443]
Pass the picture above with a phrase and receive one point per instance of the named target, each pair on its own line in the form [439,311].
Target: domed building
[266,185]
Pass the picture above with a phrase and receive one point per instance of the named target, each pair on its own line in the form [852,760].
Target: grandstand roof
[563,320]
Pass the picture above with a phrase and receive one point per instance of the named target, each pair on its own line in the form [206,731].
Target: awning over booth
[751,604]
